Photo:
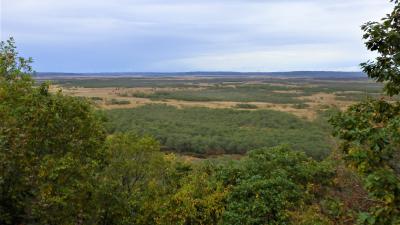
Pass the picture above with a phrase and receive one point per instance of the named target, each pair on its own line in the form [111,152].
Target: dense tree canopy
[370,130]
[270,183]
[205,131]
[50,146]
[371,141]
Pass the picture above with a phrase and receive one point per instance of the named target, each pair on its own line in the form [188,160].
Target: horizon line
[216,71]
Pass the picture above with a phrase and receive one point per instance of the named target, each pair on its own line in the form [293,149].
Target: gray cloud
[148,35]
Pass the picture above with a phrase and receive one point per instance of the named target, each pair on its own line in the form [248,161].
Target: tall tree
[384,38]
[50,148]
[370,130]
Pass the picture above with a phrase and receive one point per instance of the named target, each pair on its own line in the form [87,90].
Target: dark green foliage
[200,199]
[240,93]
[136,173]
[370,130]
[269,183]
[96,98]
[47,165]
[215,131]
[261,201]
[118,102]
[371,140]
[12,66]
[141,185]
[50,149]
[384,38]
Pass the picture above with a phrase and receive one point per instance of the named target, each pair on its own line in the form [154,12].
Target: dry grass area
[315,102]
[289,92]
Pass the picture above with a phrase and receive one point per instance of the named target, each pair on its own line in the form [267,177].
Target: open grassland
[302,97]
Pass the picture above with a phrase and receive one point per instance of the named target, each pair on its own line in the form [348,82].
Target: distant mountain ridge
[311,74]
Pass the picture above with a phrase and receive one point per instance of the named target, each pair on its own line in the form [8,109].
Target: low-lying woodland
[204,131]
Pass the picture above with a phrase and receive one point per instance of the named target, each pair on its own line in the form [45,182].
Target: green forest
[63,161]
[205,131]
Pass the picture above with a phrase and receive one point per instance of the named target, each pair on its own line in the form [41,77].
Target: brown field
[316,102]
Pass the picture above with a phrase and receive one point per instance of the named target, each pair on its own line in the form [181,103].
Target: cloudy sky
[190,35]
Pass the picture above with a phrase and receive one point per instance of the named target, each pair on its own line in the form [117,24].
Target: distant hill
[311,74]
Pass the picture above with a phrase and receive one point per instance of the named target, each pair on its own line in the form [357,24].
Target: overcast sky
[190,35]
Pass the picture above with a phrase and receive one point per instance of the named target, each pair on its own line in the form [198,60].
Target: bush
[246,106]
[270,183]
[50,148]
[96,98]
[118,102]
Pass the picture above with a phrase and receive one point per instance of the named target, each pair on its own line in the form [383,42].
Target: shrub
[118,102]
[246,106]
[95,98]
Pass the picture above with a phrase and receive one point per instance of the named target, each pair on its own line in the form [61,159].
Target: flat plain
[303,97]
[208,116]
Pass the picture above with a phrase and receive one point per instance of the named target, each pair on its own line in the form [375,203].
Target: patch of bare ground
[319,101]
